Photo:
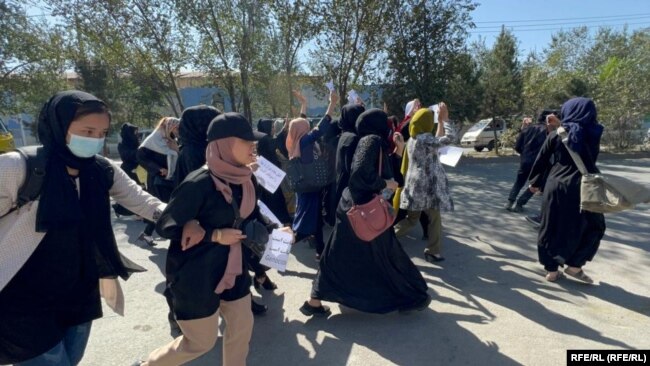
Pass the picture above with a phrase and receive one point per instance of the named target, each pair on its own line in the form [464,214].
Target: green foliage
[427,58]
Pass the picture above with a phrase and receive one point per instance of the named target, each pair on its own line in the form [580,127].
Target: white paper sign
[276,254]
[330,85]
[266,211]
[352,96]
[268,175]
[450,155]
[435,109]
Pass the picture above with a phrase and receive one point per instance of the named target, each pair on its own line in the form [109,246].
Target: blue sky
[534,22]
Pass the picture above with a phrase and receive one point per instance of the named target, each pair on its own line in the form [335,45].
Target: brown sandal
[580,276]
[554,278]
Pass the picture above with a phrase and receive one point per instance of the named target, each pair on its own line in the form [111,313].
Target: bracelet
[218,235]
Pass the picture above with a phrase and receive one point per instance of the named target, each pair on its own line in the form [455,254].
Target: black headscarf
[267,145]
[59,202]
[349,115]
[60,206]
[129,136]
[266,126]
[194,124]
[374,122]
[579,118]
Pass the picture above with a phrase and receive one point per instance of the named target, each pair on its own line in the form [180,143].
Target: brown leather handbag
[371,219]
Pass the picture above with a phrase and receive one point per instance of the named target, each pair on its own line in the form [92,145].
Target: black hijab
[374,122]
[129,136]
[60,206]
[266,126]
[194,124]
[349,115]
[59,202]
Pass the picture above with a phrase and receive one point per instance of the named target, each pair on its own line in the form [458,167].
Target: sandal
[580,276]
[267,284]
[321,311]
[553,278]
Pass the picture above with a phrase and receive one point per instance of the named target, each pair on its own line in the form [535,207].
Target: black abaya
[567,236]
[376,276]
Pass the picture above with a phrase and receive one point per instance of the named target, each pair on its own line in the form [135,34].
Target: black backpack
[35,162]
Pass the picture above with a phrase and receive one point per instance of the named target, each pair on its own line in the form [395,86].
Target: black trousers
[521,182]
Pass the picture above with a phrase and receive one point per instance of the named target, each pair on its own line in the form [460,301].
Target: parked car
[6,139]
[481,135]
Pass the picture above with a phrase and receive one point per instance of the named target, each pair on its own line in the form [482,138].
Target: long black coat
[566,234]
[377,276]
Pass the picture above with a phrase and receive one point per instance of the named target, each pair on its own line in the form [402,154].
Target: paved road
[491,303]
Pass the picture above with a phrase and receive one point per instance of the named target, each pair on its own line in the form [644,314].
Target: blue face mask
[85,147]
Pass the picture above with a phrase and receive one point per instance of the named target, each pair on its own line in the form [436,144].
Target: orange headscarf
[298,128]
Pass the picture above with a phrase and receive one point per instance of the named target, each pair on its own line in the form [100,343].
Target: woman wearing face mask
[207,276]
[158,154]
[62,243]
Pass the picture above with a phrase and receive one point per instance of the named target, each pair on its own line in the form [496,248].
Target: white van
[481,135]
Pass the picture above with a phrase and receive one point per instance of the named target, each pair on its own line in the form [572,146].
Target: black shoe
[433,258]
[518,208]
[267,284]
[418,306]
[320,311]
[508,205]
[536,221]
[147,239]
[258,309]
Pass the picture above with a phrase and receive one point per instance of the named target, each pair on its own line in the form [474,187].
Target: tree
[351,41]
[139,35]
[231,36]
[502,80]
[425,48]
[296,23]
[31,61]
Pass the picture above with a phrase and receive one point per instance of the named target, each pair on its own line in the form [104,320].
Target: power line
[575,18]
[565,23]
[560,28]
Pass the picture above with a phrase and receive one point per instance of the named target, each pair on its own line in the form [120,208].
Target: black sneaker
[517,208]
[536,221]
[258,309]
[147,239]
[320,311]
[508,205]
[433,258]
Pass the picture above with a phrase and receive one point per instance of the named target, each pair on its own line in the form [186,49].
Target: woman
[128,148]
[568,236]
[376,276]
[267,147]
[50,281]
[192,132]
[426,188]
[207,275]
[158,154]
[346,147]
[301,143]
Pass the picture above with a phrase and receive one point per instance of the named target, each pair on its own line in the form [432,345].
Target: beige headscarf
[298,128]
